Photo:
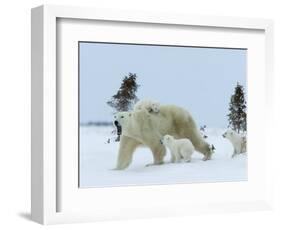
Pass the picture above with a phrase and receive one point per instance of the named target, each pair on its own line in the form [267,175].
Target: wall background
[15,112]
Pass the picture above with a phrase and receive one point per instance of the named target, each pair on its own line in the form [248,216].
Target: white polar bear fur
[148,105]
[140,128]
[238,142]
[179,148]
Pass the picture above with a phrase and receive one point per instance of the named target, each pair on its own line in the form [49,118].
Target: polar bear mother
[139,128]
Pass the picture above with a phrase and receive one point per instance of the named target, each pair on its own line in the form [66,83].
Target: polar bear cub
[239,142]
[149,105]
[179,148]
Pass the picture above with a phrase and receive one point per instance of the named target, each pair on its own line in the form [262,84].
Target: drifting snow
[98,159]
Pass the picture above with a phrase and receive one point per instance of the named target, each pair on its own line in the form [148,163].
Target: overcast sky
[199,79]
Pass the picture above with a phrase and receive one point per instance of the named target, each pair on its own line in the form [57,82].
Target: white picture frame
[47,183]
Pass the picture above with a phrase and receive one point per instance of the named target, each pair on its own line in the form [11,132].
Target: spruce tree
[237,117]
[125,97]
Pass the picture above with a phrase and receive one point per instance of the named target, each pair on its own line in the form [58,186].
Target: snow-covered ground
[98,159]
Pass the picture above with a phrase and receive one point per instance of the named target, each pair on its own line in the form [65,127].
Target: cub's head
[155,107]
[228,134]
[167,139]
[120,120]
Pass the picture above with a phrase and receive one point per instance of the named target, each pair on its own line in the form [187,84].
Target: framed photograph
[139,114]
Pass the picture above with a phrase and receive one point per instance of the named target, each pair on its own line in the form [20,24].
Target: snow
[98,159]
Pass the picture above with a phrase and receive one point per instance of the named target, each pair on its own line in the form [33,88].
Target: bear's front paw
[205,158]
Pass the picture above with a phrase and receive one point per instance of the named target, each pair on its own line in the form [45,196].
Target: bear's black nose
[118,126]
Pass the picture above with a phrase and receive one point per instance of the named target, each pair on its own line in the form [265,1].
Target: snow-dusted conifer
[125,97]
[237,117]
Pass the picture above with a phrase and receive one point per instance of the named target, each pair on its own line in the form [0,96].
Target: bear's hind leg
[127,147]
[186,155]
[177,157]
[187,158]
[234,153]
[201,146]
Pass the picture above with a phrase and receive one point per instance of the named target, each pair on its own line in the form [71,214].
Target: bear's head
[167,140]
[228,134]
[155,107]
[120,121]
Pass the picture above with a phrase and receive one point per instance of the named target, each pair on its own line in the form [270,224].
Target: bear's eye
[122,116]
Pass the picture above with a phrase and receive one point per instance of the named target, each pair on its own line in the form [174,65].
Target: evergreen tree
[125,97]
[237,117]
